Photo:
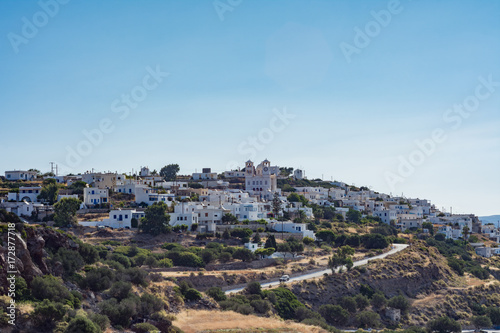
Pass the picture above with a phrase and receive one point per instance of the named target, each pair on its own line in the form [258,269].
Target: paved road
[395,248]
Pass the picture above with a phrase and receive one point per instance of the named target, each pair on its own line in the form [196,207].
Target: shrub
[302,313]
[253,288]
[120,290]
[98,279]
[81,324]
[122,259]
[166,262]
[286,303]
[49,287]
[362,302]
[216,293]
[136,275]
[119,313]
[89,253]
[150,304]
[47,313]
[100,320]
[368,319]
[186,259]
[378,301]
[334,314]
[348,303]
[70,260]
[144,328]
[444,325]
[399,302]
[192,294]
[261,306]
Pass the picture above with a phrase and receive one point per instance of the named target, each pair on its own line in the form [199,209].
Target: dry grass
[194,321]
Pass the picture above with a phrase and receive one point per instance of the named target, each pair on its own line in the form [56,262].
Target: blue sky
[230,72]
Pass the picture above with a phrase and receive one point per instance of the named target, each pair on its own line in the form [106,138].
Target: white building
[95,196]
[103,180]
[149,196]
[261,180]
[292,227]
[252,246]
[118,218]
[298,174]
[234,174]
[26,193]
[206,174]
[386,215]
[20,175]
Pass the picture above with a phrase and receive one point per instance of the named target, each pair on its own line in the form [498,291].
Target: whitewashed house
[20,175]
[118,218]
[95,196]
[292,227]
[26,193]
[206,174]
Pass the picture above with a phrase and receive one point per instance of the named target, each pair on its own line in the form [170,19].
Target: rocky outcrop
[31,255]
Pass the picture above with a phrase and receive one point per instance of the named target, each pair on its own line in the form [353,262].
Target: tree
[466,232]
[65,212]
[362,302]
[229,218]
[444,325]
[494,314]
[378,301]
[284,248]
[295,246]
[253,288]
[226,235]
[243,254]
[368,319]
[353,215]
[155,220]
[276,204]
[342,257]
[77,187]
[334,314]
[429,226]
[399,302]
[81,324]
[49,191]
[169,172]
[256,238]
[270,242]
[326,236]
[264,252]
[481,322]
[47,313]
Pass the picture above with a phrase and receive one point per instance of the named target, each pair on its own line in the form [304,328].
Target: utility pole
[51,166]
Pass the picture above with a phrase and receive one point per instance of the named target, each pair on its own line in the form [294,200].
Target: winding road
[395,249]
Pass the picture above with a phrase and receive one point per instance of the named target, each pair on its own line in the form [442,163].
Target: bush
[136,275]
[120,290]
[217,294]
[368,319]
[98,279]
[122,259]
[494,314]
[82,325]
[302,313]
[144,328]
[167,263]
[334,314]
[89,253]
[286,303]
[444,325]
[119,313]
[348,303]
[192,294]
[47,313]
[100,320]
[362,302]
[150,304]
[49,287]
[374,241]
[261,306]
[253,288]
[378,301]
[399,302]
[186,259]
[70,260]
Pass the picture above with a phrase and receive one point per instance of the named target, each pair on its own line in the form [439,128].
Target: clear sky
[342,89]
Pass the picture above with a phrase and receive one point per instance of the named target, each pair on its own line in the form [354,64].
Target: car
[284,278]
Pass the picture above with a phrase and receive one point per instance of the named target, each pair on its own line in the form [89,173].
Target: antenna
[51,166]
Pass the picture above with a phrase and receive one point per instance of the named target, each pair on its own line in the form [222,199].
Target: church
[261,180]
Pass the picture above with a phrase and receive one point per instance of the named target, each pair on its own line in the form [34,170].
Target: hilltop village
[115,252]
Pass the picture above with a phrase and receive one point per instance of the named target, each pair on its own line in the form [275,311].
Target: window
[206,214]
[126,216]
[114,216]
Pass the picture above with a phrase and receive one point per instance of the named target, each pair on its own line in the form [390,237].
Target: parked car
[284,278]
